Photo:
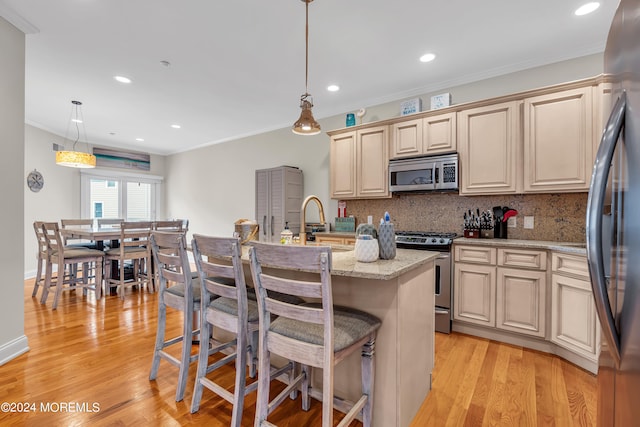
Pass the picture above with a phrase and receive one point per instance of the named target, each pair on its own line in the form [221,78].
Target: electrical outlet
[512,223]
[528,222]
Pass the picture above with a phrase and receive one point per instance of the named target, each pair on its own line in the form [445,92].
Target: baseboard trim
[13,349]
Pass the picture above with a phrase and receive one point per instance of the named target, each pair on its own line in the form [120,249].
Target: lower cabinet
[548,305]
[335,240]
[574,321]
[493,292]
[520,301]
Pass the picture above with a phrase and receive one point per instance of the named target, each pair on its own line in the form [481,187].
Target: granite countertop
[566,247]
[345,264]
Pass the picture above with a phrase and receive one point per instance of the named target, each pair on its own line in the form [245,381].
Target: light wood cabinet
[501,288]
[574,321]
[426,136]
[360,164]
[278,201]
[488,144]
[335,239]
[603,103]
[474,293]
[558,141]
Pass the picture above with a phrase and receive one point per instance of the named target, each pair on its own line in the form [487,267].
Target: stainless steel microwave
[433,173]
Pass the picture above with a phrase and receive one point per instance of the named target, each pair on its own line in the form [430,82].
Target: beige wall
[13,342]
[60,196]
[214,186]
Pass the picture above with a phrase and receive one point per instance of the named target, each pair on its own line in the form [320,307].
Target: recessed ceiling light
[427,57]
[333,88]
[140,139]
[587,8]
[76,120]
[122,79]
[176,126]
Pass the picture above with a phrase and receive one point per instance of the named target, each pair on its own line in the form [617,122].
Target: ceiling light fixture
[587,8]
[427,57]
[73,158]
[122,79]
[306,124]
[176,126]
[333,88]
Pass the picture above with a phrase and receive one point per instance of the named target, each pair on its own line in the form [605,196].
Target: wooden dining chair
[57,254]
[77,223]
[133,256]
[176,289]
[109,222]
[316,333]
[42,255]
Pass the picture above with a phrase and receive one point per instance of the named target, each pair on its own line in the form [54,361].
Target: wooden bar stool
[315,334]
[176,290]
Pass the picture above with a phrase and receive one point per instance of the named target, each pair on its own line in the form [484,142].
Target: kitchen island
[401,293]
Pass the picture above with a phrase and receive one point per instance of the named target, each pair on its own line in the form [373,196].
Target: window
[106,194]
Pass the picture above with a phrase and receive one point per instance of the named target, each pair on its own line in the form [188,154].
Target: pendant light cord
[306,58]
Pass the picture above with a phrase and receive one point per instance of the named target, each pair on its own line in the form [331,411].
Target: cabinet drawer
[571,265]
[522,258]
[475,254]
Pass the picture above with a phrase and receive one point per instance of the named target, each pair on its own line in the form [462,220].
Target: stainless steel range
[441,242]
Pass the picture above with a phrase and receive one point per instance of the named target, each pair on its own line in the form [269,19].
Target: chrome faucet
[303,219]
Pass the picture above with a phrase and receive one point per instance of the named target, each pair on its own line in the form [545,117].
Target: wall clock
[35,181]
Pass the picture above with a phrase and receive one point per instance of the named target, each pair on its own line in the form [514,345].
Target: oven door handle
[441,311]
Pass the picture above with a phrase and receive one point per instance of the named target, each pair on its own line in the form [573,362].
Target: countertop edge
[565,247]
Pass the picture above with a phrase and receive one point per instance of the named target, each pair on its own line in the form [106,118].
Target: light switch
[528,222]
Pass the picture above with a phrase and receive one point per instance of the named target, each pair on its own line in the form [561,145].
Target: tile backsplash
[557,217]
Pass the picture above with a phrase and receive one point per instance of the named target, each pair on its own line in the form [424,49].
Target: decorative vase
[366,249]
[387,241]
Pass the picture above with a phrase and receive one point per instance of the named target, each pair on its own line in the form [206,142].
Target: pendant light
[306,124]
[73,158]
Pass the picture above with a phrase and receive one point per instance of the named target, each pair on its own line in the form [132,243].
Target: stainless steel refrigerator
[613,227]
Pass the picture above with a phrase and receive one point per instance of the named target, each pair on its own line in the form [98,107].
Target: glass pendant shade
[306,124]
[75,159]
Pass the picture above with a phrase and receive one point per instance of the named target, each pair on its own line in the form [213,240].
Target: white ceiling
[237,67]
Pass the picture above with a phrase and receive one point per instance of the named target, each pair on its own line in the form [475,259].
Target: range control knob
[433,240]
[441,240]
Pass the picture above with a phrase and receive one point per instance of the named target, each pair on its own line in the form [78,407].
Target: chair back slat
[293,257]
[51,233]
[81,223]
[109,222]
[297,312]
[169,225]
[301,288]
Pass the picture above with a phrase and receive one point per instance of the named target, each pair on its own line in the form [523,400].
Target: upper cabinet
[488,148]
[558,141]
[538,141]
[425,136]
[360,164]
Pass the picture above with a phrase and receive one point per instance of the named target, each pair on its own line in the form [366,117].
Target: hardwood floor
[97,355]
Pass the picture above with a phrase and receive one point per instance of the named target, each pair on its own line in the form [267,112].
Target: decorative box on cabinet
[360,164]
[279,194]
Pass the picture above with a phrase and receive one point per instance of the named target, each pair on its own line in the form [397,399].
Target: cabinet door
[475,294]
[406,138]
[574,322]
[439,134]
[521,300]
[343,165]
[558,141]
[488,141]
[372,160]
[263,215]
[602,103]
